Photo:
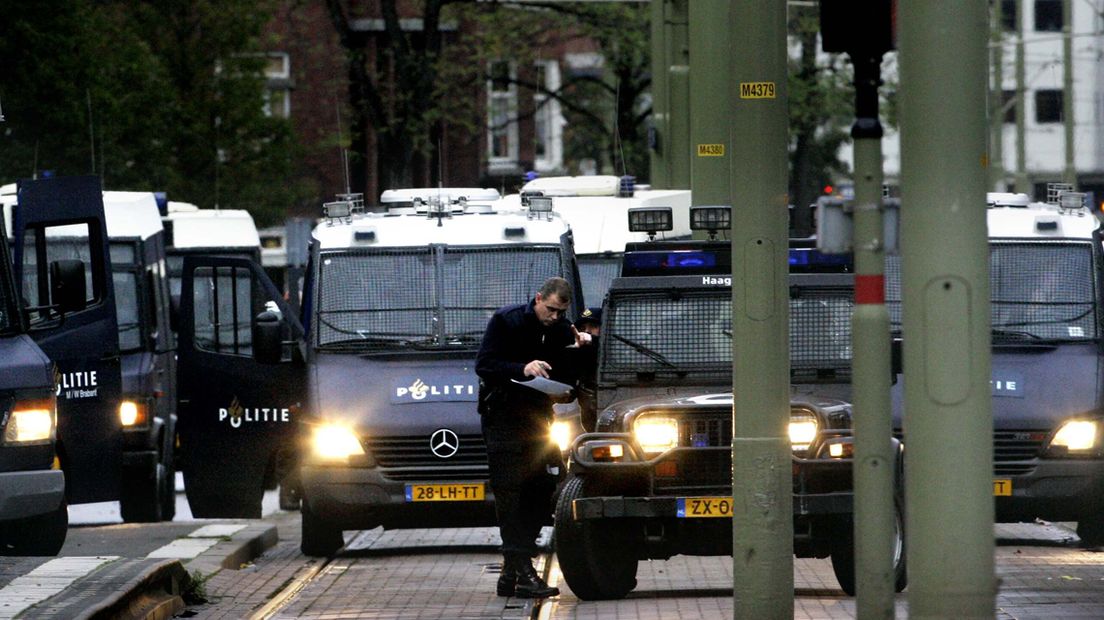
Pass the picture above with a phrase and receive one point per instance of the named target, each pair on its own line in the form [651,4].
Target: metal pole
[874,456]
[678,94]
[1070,175]
[948,421]
[709,132]
[660,151]
[1022,182]
[757,122]
[996,101]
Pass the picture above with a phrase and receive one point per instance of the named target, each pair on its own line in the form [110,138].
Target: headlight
[656,434]
[333,441]
[561,434]
[803,429]
[132,414]
[31,420]
[1076,437]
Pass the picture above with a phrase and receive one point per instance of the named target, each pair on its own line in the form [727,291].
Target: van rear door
[55,222]
[238,418]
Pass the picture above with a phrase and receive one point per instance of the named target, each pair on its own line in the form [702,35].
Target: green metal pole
[762,487]
[945,279]
[996,101]
[709,122]
[660,153]
[874,458]
[678,93]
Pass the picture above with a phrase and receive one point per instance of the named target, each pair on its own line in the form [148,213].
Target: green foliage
[163,95]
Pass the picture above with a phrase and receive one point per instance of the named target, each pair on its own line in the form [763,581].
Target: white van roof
[131,214]
[1038,220]
[213,228]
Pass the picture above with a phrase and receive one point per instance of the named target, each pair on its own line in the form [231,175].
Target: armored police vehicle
[375,390]
[596,208]
[1046,287]
[65,288]
[33,516]
[650,481]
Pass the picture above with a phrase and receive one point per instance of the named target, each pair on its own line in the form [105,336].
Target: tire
[843,552]
[42,535]
[595,557]
[319,538]
[142,496]
[1091,531]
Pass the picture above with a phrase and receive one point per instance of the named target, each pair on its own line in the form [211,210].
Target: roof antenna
[616,128]
[1,112]
[341,145]
[91,136]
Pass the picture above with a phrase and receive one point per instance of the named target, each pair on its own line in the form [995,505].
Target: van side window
[43,245]
[224,310]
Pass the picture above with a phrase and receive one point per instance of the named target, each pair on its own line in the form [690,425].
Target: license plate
[445,492]
[1002,486]
[704,507]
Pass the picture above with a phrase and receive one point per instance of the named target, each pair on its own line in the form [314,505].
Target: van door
[238,418]
[57,221]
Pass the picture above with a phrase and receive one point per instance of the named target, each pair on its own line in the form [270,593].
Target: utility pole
[671,151]
[948,422]
[712,61]
[996,99]
[864,30]
[1068,119]
[755,117]
[1022,182]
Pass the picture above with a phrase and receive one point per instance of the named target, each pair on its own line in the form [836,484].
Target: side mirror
[268,344]
[67,286]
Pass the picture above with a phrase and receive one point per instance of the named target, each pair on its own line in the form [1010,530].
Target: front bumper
[362,498]
[668,507]
[30,493]
[1054,490]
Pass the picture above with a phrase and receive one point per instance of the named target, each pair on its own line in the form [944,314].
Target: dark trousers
[522,485]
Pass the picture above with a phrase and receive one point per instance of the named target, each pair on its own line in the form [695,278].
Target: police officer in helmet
[524,341]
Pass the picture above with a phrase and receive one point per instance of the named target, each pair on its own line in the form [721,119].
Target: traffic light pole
[948,420]
[874,456]
[755,106]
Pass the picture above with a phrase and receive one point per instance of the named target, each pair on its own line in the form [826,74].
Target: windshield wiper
[646,352]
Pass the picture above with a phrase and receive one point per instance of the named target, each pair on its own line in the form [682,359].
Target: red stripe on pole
[869,289]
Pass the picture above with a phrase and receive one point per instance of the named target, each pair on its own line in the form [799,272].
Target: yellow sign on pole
[711,150]
[756,90]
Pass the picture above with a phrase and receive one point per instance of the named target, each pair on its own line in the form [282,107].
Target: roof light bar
[337,210]
[540,204]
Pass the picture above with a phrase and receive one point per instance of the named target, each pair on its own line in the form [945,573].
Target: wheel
[1091,531]
[843,551]
[141,499]
[595,557]
[35,536]
[319,539]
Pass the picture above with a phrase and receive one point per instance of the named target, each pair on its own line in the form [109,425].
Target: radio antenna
[91,136]
[341,145]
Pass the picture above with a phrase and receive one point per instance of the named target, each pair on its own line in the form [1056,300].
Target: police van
[1047,287]
[374,389]
[646,484]
[596,208]
[64,285]
[191,231]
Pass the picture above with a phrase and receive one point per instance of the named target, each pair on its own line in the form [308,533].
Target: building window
[1008,106]
[502,128]
[277,70]
[1048,106]
[1008,15]
[1048,15]
[549,120]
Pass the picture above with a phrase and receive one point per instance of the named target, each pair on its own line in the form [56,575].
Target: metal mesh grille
[597,273]
[478,281]
[388,298]
[691,332]
[1039,290]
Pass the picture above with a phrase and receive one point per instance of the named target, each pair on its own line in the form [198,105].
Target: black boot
[530,584]
[507,580]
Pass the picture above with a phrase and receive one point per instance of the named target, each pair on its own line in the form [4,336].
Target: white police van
[63,285]
[596,208]
[191,231]
[1047,288]
[375,388]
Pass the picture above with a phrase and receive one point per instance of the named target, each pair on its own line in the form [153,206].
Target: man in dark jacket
[523,341]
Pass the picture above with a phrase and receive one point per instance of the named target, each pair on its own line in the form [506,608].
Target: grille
[687,332]
[696,469]
[409,459]
[1010,451]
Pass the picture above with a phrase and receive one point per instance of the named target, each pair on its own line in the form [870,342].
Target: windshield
[690,332]
[127,311]
[1042,291]
[435,297]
